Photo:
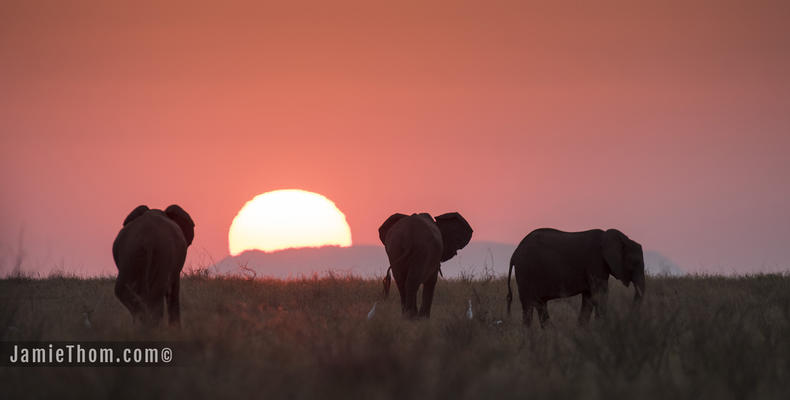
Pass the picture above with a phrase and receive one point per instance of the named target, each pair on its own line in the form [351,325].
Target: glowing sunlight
[290,218]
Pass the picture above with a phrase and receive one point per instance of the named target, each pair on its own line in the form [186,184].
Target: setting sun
[290,218]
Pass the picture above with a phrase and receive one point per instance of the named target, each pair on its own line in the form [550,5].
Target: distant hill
[658,264]
[369,261]
[364,260]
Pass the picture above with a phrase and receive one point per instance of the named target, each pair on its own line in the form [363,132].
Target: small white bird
[469,313]
[372,311]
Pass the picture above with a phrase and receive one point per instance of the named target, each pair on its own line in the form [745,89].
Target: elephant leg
[412,286]
[154,300]
[526,305]
[587,308]
[526,312]
[427,295]
[401,283]
[599,299]
[543,313]
[526,308]
[128,298]
[155,310]
[173,303]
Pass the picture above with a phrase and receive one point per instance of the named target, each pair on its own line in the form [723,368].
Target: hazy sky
[668,121]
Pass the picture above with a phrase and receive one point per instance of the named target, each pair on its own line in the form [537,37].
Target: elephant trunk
[387,283]
[509,291]
[639,286]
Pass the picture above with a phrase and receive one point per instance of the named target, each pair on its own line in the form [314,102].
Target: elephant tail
[387,282]
[388,279]
[509,290]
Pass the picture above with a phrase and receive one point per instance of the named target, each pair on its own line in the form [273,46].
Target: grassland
[694,337]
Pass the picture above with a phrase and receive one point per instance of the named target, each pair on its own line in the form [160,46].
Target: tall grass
[693,337]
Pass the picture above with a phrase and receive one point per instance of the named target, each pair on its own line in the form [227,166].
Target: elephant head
[625,260]
[456,234]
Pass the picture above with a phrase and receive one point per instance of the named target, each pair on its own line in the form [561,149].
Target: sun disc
[289,218]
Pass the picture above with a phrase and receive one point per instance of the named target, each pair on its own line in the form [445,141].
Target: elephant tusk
[372,311]
[637,294]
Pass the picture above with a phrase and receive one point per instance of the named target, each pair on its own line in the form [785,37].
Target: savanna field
[693,337]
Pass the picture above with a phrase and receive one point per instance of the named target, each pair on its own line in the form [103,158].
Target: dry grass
[694,337]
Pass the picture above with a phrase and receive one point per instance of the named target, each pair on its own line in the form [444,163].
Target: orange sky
[671,123]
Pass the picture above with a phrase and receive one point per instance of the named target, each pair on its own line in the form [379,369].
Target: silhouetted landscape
[396,200]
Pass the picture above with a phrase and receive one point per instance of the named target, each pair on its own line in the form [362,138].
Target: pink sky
[671,124]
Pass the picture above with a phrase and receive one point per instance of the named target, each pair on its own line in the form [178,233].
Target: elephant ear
[389,223]
[456,233]
[140,210]
[614,254]
[183,220]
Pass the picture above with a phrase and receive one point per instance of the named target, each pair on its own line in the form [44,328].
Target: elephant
[552,264]
[416,245]
[149,252]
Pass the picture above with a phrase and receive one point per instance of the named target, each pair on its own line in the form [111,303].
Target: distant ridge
[363,260]
[658,264]
[369,261]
